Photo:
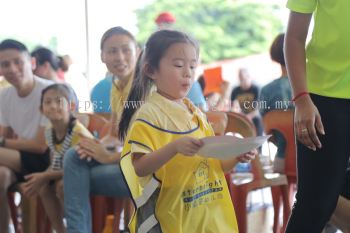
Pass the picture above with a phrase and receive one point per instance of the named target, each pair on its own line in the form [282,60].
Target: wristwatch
[2,141]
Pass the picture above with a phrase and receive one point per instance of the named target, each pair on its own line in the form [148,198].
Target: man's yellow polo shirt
[328,52]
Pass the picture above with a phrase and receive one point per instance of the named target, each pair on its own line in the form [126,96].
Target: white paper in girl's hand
[228,147]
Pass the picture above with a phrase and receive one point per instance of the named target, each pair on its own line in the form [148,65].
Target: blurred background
[232,33]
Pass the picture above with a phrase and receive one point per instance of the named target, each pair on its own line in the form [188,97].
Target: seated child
[64,132]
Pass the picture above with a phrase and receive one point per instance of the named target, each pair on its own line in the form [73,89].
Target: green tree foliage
[224,28]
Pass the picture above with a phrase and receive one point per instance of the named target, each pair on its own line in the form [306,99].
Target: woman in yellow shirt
[101,175]
[174,190]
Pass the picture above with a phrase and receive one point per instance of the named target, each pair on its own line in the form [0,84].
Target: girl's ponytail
[139,91]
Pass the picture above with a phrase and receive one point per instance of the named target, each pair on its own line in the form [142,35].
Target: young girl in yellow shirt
[173,189]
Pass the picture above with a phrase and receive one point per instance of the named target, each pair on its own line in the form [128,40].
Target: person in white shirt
[22,144]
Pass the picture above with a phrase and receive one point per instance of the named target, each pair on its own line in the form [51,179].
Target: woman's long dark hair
[149,59]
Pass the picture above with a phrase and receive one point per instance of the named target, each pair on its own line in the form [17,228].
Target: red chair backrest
[218,121]
[239,123]
[283,121]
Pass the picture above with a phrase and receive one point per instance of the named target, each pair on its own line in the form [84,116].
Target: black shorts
[32,162]
[346,189]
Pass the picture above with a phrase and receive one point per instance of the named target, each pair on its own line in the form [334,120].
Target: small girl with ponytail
[173,188]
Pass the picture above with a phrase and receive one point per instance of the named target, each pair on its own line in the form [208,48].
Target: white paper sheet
[228,147]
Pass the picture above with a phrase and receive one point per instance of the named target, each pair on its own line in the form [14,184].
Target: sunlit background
[75,27]
[232,33]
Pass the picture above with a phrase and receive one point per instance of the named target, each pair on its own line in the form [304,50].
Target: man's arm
[35,145]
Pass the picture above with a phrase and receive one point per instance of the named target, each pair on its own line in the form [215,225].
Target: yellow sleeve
[79,130]
[141,138]
[302,6]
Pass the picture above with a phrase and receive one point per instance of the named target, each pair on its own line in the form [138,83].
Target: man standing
[20,116]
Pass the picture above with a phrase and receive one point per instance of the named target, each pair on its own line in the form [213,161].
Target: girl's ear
[149,71]
[41,109]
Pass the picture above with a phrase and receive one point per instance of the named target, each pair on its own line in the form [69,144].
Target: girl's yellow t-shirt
[186,195]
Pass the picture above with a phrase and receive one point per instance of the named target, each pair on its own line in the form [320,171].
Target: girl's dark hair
[43,55]
[116,31]
[62,88]
[149,60]
[276,50]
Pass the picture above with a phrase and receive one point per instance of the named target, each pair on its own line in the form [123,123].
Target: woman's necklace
[57,161]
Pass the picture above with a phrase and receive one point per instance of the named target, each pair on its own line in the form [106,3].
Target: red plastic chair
[27,209]
[241,186]
[218,121]
[283,121]
[14,212]
[34,218]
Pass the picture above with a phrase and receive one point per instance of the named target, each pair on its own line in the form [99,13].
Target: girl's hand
[247,157]
[306,121]
[33,184]
[188,146]
[91,148]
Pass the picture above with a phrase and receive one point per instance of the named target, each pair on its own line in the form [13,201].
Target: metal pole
[87,41]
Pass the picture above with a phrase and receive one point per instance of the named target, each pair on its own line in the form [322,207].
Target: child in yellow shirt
[174,189]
